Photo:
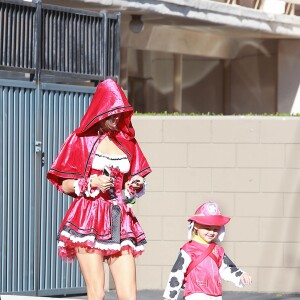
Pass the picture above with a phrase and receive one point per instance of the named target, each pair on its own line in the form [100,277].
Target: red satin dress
[103,222]
[100,222]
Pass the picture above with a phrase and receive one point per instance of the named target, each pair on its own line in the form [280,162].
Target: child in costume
[201,263]
[102,166]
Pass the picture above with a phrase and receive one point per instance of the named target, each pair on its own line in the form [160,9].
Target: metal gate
[18,188]
[62,109]
[35,122]
[48,50]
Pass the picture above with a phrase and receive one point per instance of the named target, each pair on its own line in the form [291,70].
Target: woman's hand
[136,182]
[102,182]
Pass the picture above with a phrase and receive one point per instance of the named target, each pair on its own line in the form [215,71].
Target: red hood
[108,99]
[77,153]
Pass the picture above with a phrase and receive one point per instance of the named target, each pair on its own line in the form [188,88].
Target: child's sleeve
[176,277]
[230,272]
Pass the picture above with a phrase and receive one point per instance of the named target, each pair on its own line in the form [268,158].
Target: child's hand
[246,279]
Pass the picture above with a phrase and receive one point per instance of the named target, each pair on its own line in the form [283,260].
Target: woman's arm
[68,186]
[79,186]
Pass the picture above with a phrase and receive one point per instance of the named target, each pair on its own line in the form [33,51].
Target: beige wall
[250,166]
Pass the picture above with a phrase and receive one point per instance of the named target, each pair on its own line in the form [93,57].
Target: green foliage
[214,114]
[175,114]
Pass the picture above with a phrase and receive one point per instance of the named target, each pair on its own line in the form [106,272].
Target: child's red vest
[205,277]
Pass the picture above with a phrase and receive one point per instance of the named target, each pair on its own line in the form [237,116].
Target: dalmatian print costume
[202,282]
[228,271]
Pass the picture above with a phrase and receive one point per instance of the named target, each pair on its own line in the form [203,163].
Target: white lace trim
[101,160]
[76,187]
[99,245]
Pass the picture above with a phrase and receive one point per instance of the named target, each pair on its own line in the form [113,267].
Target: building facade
[223,57]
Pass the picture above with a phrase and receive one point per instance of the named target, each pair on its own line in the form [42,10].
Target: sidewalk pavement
[157,295]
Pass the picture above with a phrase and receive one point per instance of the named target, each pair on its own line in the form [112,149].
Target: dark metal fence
[58,44]
[18,27]
[43,47]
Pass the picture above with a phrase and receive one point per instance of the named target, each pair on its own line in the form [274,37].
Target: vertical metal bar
[18,189]
[26,37]
[32,193]
[83,58]
[37,36]
[92,60]
[5,31]
[45,41]
[97,48]
[110,32]
[13,36]
[31,45]
[77,42]
[58,42]
[73,36]
[50,40]
[10,174]
[105,41]
[66,52]
[85,45]
[38,174]
[117,48]
[76,38]
[1,33]
[54,41]
[4,162]
[17,50]
[89,43]
[61,41]
[26,227]
[8,46]
[2,203]
[20,53]
[70,42]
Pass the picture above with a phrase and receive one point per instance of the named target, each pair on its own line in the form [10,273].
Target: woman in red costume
[102,166]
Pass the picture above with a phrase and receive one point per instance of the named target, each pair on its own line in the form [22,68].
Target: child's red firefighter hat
[209,214]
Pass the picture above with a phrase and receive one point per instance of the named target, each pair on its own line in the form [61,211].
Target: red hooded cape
[77,153]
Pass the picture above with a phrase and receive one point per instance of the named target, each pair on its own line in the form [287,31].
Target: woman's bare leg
[124,274]
[92,269]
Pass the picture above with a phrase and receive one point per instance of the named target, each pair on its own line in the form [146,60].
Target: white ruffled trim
[76,187]
[92,191]
[116,161]
[99,245]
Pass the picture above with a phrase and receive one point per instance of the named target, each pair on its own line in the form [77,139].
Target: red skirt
[100,226]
